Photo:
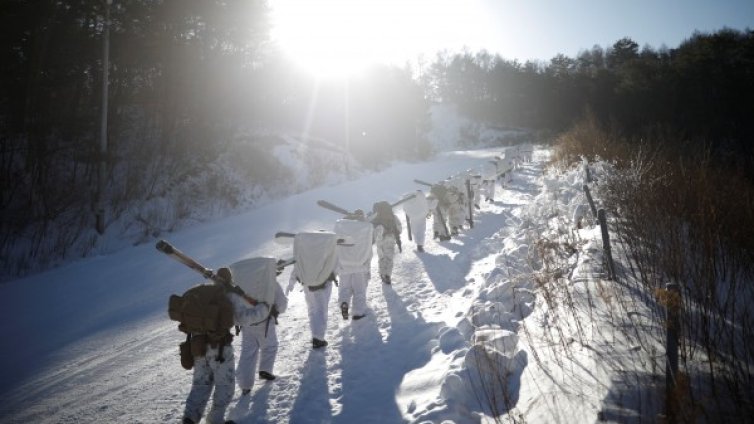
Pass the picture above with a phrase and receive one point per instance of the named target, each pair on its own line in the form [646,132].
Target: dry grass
[681,216]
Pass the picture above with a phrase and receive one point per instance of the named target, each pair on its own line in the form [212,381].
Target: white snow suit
[489,173]
[455,210]
[316,258]
[476,185]
[437,222]
[354,263]
[386,243]
[505,169]
[352,290]
[417,210]
[259,341]
[440,212]
[209,373]
[316,303]
[488,190]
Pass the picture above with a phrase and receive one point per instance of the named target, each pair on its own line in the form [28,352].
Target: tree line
[703,89]
[187,76]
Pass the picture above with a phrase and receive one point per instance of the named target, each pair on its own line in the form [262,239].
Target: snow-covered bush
[679,215]
[154,193]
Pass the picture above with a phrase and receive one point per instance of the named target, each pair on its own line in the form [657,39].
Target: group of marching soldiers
[342,257]
[452,202]
[345,254]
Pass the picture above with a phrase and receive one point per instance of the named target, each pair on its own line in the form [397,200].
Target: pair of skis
[283,237]
[335,208]
[345,212]
[170,250]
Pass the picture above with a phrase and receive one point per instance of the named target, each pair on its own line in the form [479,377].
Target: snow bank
[488,350]
[486,361]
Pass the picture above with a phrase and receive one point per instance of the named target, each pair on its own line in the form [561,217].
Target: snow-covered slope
[451,131]
[91,341]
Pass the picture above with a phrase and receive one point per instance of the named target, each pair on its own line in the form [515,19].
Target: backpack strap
[227,340]
[267,325]
[220,358]
[272,316]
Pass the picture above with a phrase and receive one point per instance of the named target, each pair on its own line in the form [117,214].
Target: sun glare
[341,37]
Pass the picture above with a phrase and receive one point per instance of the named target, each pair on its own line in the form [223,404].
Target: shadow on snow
[374,368]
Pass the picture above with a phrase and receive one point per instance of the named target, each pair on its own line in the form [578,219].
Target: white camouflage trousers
[316,303]
[418,229]
[352,289]
[255,347]
[488,189]
[210,374]
[385,253]
[456,216]
[438,224]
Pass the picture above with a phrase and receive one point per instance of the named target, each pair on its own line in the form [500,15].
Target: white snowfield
[90,342]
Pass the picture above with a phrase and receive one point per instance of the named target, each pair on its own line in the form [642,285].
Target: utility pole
[347,118]
[102,172]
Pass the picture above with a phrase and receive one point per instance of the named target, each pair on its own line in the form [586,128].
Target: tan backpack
[205,314]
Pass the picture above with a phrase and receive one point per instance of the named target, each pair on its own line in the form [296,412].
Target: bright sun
[340,37]
[325,37]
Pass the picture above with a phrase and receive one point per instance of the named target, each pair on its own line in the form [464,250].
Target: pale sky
[338,35]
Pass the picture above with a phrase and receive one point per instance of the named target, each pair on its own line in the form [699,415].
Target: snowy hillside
[248,171]
[451,131]
[466,332]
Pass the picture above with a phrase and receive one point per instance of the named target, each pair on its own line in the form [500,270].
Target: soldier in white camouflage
[214,370]
[417,211]
[387,235]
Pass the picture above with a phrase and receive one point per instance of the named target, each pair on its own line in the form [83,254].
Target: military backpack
[205,314]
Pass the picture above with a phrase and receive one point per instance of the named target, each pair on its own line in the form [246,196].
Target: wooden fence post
[606,244]
[672,311]
[591,201]
[587,174]
[470,197]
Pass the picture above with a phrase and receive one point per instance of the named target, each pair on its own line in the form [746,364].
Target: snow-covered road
[95,345]
[463,333]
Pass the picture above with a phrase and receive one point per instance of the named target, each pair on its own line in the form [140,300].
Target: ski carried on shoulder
[403,200]
[282,263]
[335,208]
[286,238]
[417,181]
[327,205]
[168,249]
